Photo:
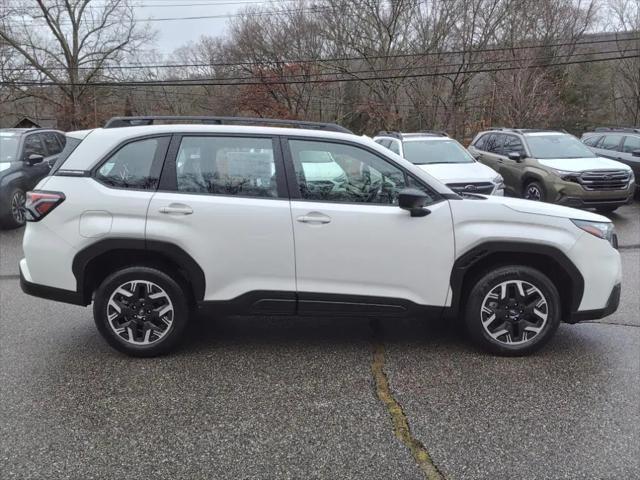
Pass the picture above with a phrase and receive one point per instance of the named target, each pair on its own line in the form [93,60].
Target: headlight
[566,175]
[499,182]
[4,166]
[604,230]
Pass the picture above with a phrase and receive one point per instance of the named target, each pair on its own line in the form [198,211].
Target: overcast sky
[175,33]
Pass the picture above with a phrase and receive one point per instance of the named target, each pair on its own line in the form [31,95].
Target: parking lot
[317,398]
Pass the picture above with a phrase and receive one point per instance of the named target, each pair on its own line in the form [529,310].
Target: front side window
[33,146]
[551,146]
[631,144]
[385,142]
[427,152]
[592,141]
[131,166]
[480,143]
[512,144]
[227,166]
[51,142]
[611,142]
[336,172]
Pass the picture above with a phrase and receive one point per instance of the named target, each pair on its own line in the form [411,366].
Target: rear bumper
[50,293]
[610,307]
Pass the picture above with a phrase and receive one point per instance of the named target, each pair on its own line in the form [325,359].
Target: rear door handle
[177,209]
[314,218]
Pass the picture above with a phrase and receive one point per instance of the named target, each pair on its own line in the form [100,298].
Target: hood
[583,164]
[548,209]
[460,172]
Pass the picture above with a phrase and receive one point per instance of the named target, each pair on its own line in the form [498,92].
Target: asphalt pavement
[317,398]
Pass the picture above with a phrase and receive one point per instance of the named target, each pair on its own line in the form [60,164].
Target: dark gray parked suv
[26,156]
[621,144]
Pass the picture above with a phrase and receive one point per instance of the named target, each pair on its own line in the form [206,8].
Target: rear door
[223,200]
[355,248]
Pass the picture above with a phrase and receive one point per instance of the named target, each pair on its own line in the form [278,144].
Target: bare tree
[70,43]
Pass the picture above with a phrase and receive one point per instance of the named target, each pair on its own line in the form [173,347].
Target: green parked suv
[555,167]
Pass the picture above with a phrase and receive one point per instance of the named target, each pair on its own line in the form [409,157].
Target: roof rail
[117,122]
[442,133]
[401,135]
[389,134]
[617,129]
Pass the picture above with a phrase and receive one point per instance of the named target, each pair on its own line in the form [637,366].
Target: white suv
[150,222]
[445,159]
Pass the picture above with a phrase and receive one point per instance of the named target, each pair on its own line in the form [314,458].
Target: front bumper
[573,194]
[610,307]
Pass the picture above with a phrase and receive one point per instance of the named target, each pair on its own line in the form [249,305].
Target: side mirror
[34,158]
[515,156]
[636,153]
[414,200]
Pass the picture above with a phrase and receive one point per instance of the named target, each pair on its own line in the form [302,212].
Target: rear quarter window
[70,144]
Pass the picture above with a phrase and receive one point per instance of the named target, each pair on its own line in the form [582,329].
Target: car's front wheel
[534,191]
[140,311]
[513,310]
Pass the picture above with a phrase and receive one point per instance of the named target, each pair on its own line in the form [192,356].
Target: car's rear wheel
[534,191]
[15,216]
[513,310]
[140,311]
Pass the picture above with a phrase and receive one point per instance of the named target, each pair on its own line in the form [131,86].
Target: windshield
[425,152]
[8,147]
[557,146]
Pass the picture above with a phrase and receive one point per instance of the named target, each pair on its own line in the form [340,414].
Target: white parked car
[445,159]
[149,222]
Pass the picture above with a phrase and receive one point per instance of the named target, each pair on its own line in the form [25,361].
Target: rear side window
[494,143]
[132,165]
[631,144]
[70,144]
[611,142]
[480,143]
[385,142]
[227,166]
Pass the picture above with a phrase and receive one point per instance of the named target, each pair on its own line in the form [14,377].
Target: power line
[268,79]
[343,59]
[217,82]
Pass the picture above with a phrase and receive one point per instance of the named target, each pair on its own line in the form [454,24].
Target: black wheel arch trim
[469,259]
[168,250]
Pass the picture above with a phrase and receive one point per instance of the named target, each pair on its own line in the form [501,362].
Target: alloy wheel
[533,193]
[514,312]
[17,206]
[140,312]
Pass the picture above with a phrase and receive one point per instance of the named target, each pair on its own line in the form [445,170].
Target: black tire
[534,191]
[486,286]
[13,219]
[172,293]
[606,210]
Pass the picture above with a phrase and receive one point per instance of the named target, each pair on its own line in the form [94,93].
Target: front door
[220,201]
[354,245]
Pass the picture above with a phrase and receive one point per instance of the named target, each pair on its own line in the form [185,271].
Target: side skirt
[319,304]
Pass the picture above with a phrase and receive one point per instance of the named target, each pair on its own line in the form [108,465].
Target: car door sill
[321,304]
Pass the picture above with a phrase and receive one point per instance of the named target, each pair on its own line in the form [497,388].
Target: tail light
[39,204]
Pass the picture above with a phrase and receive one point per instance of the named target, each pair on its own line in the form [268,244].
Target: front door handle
[177,209]
[314,218]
